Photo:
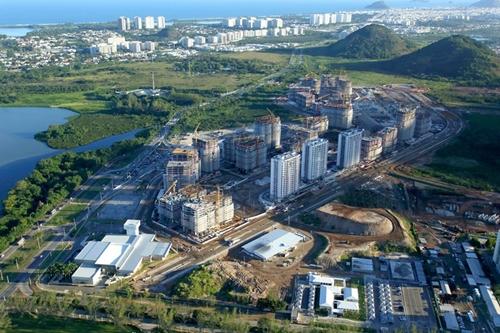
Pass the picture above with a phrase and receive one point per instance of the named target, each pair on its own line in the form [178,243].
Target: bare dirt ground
[279,270]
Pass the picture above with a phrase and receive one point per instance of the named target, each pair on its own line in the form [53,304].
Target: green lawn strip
[42,324]
[68,214]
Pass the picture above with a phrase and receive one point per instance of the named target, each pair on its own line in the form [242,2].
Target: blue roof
[269,245]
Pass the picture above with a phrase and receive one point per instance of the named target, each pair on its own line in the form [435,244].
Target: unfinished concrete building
[194,209]
[371,148]
[423,123]
[316,123]
[269,128]
[169,202]
[250,153]
[295,137]
[209,152]
[405,122]
[183,166]
[302,97]
[338,87]
[339,112]
[389,137]
[312,83]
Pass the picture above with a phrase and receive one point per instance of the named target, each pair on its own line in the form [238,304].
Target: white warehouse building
[120,255]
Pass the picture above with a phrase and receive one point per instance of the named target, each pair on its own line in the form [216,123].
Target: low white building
[273,243]
[120,255]
[334,295]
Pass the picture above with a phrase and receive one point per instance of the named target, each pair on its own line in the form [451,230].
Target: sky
[60,11]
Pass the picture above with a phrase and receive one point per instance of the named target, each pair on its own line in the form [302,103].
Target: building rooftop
[273,243]
[121,253]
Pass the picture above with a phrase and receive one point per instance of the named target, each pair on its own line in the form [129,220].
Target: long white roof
[269,245]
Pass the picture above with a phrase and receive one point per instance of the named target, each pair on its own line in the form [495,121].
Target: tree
[5,322]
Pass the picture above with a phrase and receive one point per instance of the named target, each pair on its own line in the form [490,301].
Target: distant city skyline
[62,11]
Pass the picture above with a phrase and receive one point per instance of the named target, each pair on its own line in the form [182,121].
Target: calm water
[15,32]
[61,11]
[20,152]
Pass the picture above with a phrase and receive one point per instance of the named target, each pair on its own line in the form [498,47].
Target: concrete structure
[123,23]
[250,152]
[184,166]
[230,22]
[423,123]
[138,23]
[496,253]
[371,148]
[149,22]
[338,88]
[186,42]
[314,159]
[317,123]
[340,113]
[362,265]
[135,47]
[492,304]
[285,175]
[295,137]
[269,128]
[302,97]
[405,122]
[200,40]
[161,22]
[349,148]
[209,152]
[194,209]
[389,137]
[355,221]
[334,295]
[117,255]
[275,242]
[275,23]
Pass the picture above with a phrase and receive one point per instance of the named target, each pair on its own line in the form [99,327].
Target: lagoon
[20,152]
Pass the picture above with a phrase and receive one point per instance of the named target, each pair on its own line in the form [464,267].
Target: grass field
[472,159]
[68,214]
[98,83]
[28,324]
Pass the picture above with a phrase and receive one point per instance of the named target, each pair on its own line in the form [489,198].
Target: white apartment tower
[314,159]
[162,23]
[349,148]
[285,175]
[122,23]
[138,23]
[149,22]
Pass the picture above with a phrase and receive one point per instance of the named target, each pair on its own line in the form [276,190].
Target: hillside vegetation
[371,42]
[455,57]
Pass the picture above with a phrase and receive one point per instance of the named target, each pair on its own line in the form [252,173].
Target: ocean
[25,12]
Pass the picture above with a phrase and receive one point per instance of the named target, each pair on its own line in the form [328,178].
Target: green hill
[455,57]
[377,5]
[371,42]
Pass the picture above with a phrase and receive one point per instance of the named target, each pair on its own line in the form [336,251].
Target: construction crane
[270,112]
[172,187]
[195,133]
